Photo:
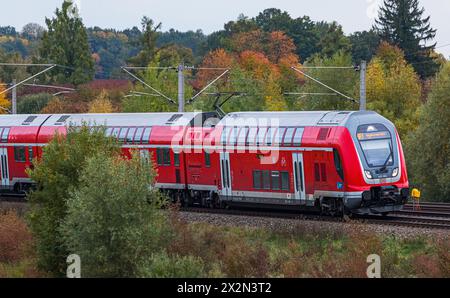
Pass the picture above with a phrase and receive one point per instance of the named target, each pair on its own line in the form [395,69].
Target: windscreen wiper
[391,154]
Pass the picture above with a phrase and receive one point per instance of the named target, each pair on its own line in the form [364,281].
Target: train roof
[122,119]
[310,118]
[23,120]
[113,119]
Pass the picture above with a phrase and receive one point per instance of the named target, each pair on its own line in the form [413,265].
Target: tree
[101,104]
[66,43]
[393,88]
[147,43]
[302,30]
[9,73]
[54,106]
[115,228]
[163,80]
[4,102]
[364,45]
[33,103]
[218,58]
[332,39]
[343,80]
[401,23]
[57,173]
[33,31]
[279,46]
[8,31]
[429,147]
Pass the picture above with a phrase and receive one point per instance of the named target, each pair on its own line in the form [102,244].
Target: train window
[338,164]
[278,136]
[375,141]
[176,159]
[166,156]
[115,132]
[287,141]
[108,131]
[30,153]
[285,181]
[5,134]
[138,135]
[252,136]
[207,159]
[275,180]
[159,156]
[242,136]
[146,135]
[269,136]
[298,136]
[130,135]
[261,134]
[144,154]
[19,154]
[323,172]
[266,179]
[123,134]
[257,180]
[233,136]
[224,136]
[316,172]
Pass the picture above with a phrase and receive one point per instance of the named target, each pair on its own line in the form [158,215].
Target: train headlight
[395,172]
[368,174]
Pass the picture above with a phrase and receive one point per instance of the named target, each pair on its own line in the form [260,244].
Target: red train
[336,162]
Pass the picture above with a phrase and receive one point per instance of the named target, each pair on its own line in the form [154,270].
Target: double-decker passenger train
[336,162]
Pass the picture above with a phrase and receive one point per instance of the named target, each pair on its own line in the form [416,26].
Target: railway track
[431,215]
[396,220]
[426,209]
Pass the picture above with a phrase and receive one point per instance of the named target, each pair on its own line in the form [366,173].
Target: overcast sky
[210,15]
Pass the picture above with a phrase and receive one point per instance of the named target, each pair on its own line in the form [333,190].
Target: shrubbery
[15,238]
[34,103]
[163,265]
[428,149]
[57,173]
[116,227]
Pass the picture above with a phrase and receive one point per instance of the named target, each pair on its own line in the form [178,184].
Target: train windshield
[376,145]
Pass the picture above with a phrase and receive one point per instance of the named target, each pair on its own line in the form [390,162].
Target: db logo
[283,162]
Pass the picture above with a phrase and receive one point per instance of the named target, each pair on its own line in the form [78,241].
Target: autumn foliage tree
[428,150]
[393,88]
[101,104]
[4,102]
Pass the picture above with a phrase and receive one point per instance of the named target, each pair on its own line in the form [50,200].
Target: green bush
[114,219]
[428,149]
[33,104]
[163,265]
[57,173]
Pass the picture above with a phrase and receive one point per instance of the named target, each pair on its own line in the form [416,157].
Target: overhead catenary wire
[147,85]
[323,84]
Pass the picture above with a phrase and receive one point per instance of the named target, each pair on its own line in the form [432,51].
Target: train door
[4,167]
[225,173]
[299,176]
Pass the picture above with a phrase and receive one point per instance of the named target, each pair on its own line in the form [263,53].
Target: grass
[204,250]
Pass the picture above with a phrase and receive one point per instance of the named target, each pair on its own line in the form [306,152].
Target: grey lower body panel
[273,200]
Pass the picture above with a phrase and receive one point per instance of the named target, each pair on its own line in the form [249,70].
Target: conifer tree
[66,43]
[401,23]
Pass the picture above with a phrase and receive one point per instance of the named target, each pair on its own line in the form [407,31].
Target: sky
[211,15]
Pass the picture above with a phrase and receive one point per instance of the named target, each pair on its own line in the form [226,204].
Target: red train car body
[336,162]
